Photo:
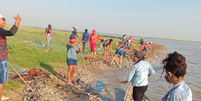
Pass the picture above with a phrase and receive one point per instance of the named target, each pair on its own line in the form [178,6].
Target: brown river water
[158,89]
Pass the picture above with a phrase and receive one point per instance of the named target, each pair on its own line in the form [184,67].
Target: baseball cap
[50,25]
[139,55]
[72,36]
[1,16]
[75,27]
[86,29]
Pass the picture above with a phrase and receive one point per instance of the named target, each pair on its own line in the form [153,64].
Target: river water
[157,89]
[191,51]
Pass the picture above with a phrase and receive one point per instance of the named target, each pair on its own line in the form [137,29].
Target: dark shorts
[105,45]
[71,62]
[145,49]
[120,52]
[3,71]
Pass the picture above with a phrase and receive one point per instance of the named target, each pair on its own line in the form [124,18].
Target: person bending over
[146,46]
[106,46]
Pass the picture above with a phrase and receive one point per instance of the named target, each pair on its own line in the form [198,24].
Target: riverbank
[53,62]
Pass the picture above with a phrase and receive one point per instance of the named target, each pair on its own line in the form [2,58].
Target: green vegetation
[11,85]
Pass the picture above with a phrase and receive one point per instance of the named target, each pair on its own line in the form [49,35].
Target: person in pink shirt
[48,34]
[148,44]
[130,41]
[92,41]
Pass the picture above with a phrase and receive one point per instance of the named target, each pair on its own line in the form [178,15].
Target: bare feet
[120,67]
[107,59]
[110,64]
[69,83]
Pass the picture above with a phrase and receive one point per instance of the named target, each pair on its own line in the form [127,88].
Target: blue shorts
[104,45]
[3,71]
[71,62]
[119,51]
[145,49]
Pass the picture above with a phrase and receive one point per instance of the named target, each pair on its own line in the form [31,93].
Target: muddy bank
[51,90]
[85,77]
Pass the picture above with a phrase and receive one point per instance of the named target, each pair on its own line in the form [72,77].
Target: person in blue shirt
[102,41]
[85,38]
[175,69]
[138,76]
[71,59]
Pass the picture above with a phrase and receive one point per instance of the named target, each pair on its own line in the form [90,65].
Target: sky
[172,19]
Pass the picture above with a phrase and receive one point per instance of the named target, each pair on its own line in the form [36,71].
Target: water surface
[157,89]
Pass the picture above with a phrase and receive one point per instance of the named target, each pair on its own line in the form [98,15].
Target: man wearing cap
[75,32]
[85,37]
[72,51]
[138,76]
[4,50]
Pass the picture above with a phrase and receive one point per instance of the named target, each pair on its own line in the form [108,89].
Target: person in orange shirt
[92,41]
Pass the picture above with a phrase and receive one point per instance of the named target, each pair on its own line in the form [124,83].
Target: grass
[26,51]
[12,85]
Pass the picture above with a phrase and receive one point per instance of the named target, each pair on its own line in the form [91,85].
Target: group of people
[174,65]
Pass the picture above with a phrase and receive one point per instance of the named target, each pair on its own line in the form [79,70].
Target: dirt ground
[91,66]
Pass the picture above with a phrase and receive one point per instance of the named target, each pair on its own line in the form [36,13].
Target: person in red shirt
[92,41]
[4,49]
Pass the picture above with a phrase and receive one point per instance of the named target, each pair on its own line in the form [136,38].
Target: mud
[54,89]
